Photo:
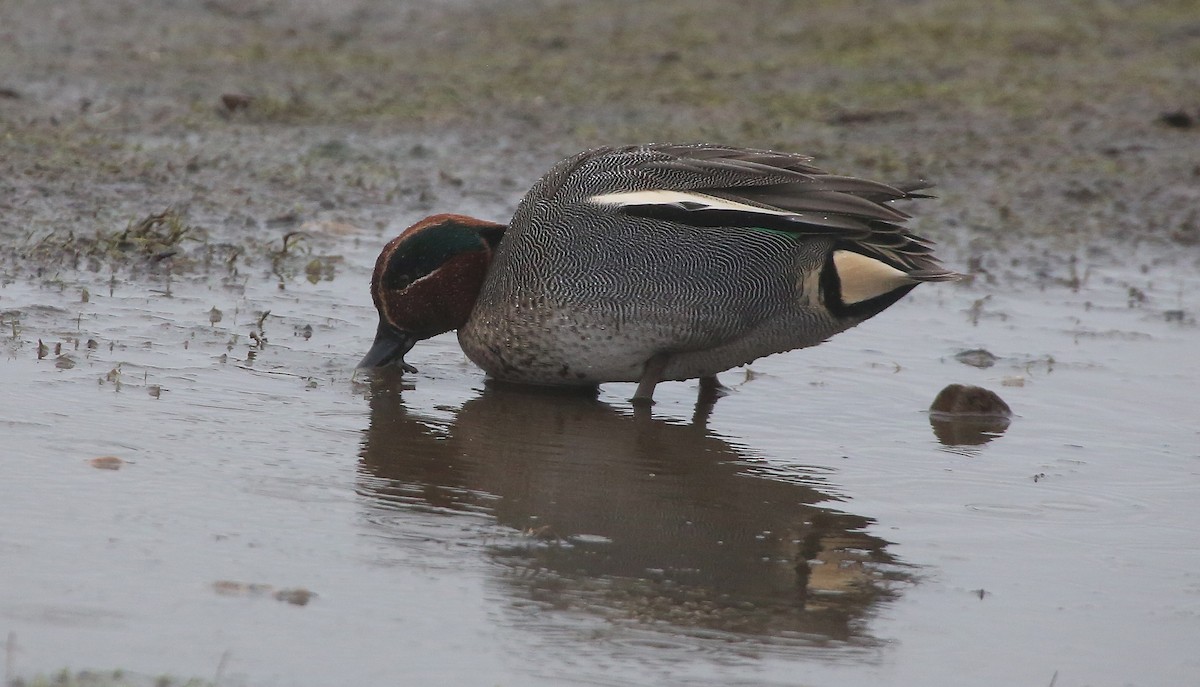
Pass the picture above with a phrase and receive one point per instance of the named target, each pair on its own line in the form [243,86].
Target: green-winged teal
[651,263]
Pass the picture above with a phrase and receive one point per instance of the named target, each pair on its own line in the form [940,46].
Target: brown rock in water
[963,415]
[960,399]
[235,101]
[976,357]
[106,463]
[1179,119]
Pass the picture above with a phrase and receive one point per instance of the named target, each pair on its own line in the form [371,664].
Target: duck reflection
[634,517]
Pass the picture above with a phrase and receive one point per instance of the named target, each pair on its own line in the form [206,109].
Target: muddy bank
[1037,121]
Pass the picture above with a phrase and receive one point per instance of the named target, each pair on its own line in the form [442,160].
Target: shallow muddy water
[276,521]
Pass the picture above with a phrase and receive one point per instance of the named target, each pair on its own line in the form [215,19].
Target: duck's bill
[389,348]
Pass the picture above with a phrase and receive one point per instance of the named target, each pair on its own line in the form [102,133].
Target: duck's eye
[399,281]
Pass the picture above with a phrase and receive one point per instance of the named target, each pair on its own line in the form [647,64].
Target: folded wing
[718,186]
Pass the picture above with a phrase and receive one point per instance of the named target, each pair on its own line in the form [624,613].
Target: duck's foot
[641,401]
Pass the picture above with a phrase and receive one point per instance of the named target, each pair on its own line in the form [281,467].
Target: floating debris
[285,220]
[1179,119]
[231,588]
[313,270]
[867,116]
[296,596]
[106,463]
[234,102]
[977,357]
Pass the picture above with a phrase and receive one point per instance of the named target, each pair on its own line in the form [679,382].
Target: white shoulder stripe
[664,197]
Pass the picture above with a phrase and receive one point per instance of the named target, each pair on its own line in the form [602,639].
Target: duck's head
[426,281]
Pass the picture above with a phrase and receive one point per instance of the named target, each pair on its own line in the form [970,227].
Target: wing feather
[719,186]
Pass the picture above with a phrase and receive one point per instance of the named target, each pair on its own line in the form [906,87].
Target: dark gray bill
[390,346]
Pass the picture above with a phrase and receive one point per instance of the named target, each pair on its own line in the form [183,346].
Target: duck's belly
[535,347]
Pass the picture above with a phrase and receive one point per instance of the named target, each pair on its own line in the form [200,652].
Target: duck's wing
[718,186]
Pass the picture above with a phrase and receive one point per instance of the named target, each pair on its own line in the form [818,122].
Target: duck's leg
[651,376]
[711,389]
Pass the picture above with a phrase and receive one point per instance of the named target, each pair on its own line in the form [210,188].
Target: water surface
[808,529]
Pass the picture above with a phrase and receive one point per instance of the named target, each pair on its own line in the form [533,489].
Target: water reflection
[633,517]
[953,431]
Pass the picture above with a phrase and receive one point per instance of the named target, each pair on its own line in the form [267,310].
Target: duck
[652,263]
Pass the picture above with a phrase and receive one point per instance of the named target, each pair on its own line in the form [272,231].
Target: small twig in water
[10,657]
[221,668]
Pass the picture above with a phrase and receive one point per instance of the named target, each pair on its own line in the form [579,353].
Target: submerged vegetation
[163,242]
[153,238]
[112,678]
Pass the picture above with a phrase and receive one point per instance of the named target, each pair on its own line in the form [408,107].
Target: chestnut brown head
[426,281]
